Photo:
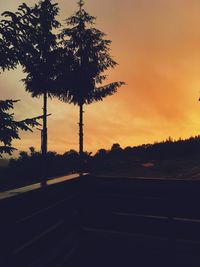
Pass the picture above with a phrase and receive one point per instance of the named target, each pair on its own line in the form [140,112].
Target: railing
[101,221]
[40,226]
[146,222]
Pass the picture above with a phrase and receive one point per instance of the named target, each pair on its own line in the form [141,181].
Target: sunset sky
[157,46]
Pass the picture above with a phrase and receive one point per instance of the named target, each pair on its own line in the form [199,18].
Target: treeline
[165,150]
[26,169]
[169,149]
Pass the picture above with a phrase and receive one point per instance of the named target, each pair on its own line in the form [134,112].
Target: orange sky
[157,46]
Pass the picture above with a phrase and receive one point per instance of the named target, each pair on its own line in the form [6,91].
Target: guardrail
[101,221]
[156,220]
[40,226]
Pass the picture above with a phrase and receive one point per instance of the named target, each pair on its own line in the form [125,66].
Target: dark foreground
[91,221]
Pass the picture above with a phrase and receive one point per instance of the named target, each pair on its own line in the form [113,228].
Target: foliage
[31,31]
[8,57]
[165,150]
[89,50]
[9,128]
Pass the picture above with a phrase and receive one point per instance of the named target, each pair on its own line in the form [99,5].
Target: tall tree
[9,128]
[90,51]
[31,32]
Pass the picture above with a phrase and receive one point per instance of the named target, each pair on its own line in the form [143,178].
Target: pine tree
[89,50]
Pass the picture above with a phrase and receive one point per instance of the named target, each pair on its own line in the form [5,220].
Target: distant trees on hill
[26,168]
[169,149]
[127,157]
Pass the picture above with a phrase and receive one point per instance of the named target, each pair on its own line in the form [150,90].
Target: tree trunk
[44,130]
[81,136]
[81,131]
[44,140]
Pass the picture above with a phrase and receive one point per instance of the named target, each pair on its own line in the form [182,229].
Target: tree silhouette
[90,52]
[9,128]
[116,147]
[31,31]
